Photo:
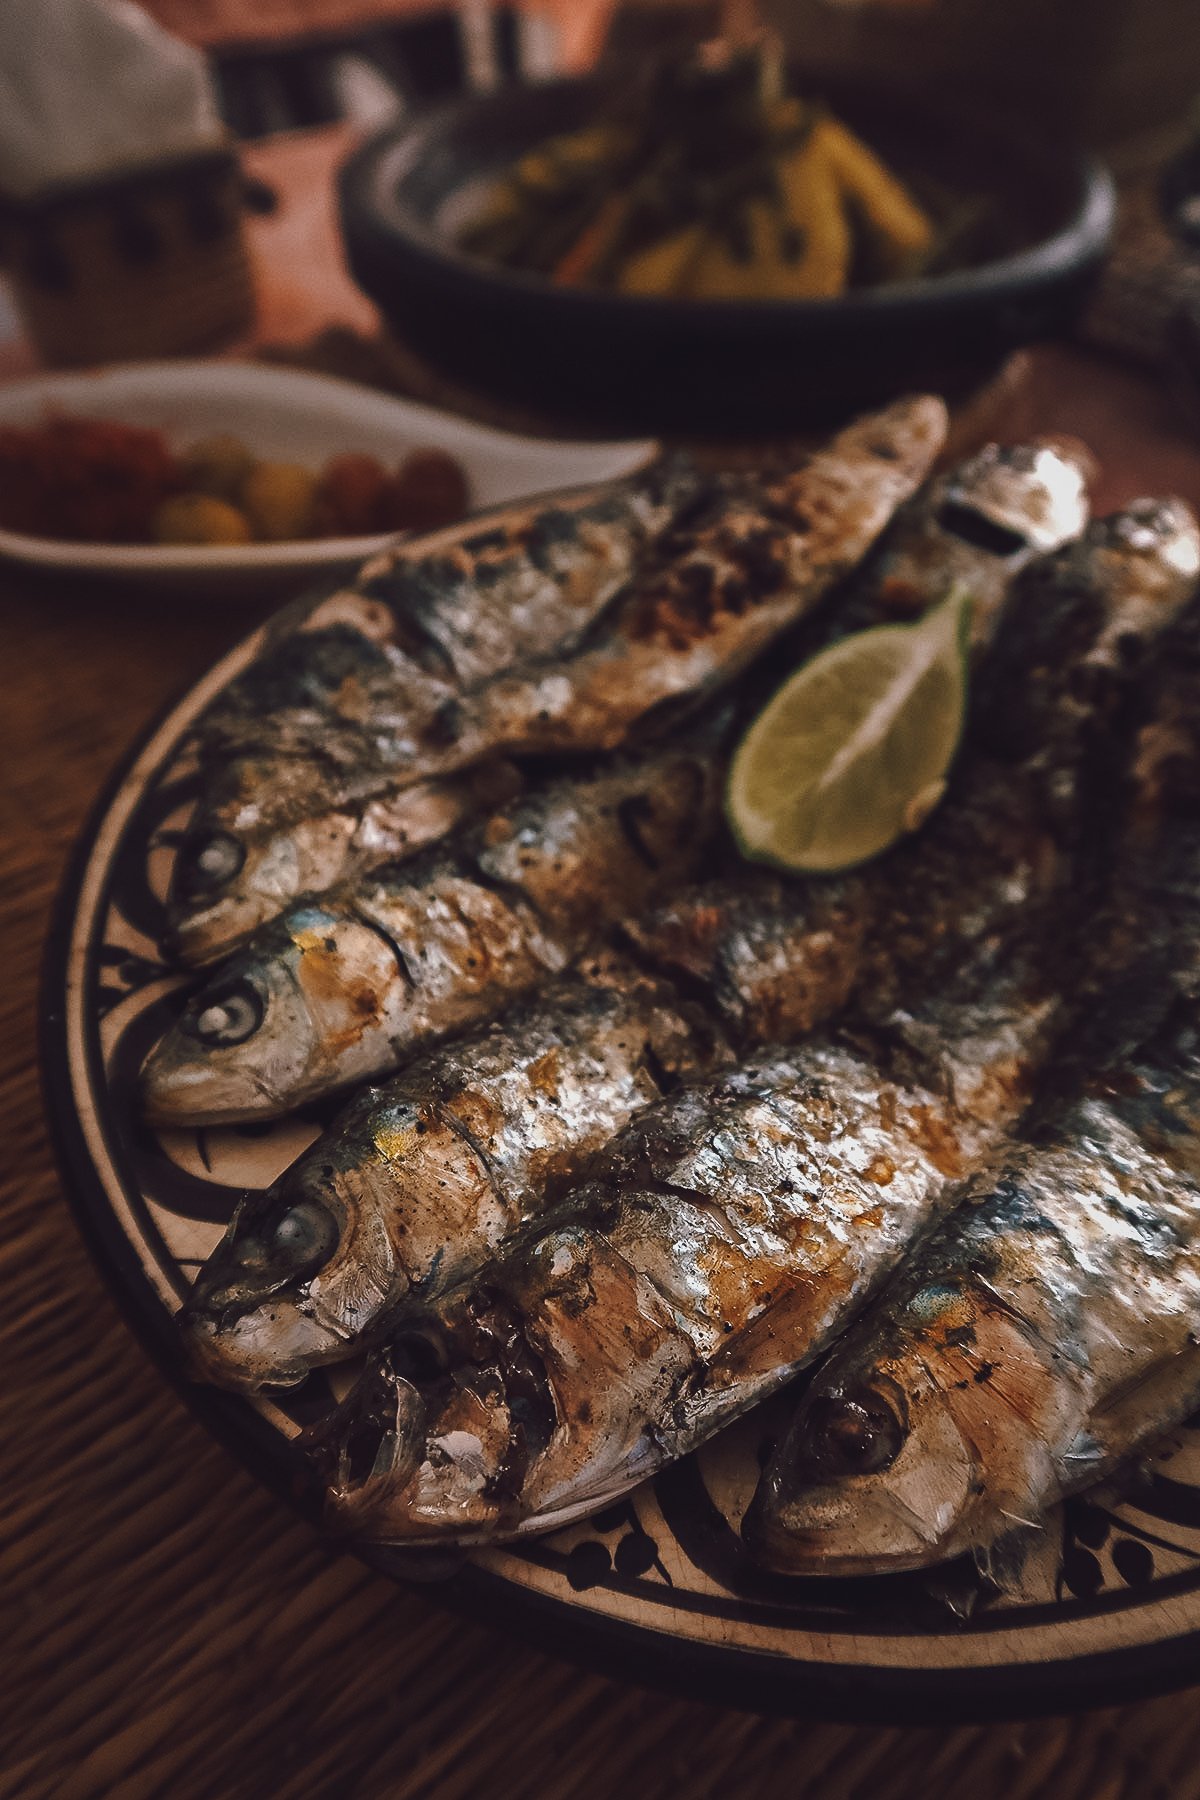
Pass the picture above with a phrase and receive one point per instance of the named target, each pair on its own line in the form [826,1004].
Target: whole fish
[776,962]
[345,988]
[729,1234]
[338,679]
[1048,1329]
[315,1001]
[722,585]
[417,1183]
[404,679]
[1042,1336]
[327,719]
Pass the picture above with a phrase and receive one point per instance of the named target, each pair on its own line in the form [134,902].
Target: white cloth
[88,87]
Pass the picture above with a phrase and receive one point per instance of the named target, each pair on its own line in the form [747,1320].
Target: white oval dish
[288,415]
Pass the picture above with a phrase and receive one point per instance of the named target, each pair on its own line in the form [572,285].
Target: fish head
[874,1474]
[210,859]
[266,830]
[299,1011]
[242,1044]
[230,885]
[1161,533]
[475,1411]
[1146,559]
[301,1276]
[224,887]
[1010,500]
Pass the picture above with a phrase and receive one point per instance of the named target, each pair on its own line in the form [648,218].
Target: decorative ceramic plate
[286,415]
[660,1586]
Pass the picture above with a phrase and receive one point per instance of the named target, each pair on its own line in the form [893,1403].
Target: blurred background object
[292,64]
[120,194]
[1119,77]
[155,262]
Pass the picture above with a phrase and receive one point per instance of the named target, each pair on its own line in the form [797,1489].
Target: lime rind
[852,751]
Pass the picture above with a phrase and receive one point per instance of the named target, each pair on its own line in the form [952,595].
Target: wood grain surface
[166,1627]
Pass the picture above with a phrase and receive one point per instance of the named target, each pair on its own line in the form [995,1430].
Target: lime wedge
[853,750]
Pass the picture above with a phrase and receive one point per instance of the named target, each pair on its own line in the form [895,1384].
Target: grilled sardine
[1049,1328]
[351,986]
[420,1181]
[404,678]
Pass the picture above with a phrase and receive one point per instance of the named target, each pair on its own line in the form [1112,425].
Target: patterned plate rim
[738,1676]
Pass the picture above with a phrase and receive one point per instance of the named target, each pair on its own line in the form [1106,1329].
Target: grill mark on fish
[406,971]
[416,640]
[344,698]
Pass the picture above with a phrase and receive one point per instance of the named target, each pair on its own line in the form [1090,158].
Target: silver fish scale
[778,1193]
[1110,1269]
[552,1083]
[406,959]
[528,1101]
[671,639]
[459,940]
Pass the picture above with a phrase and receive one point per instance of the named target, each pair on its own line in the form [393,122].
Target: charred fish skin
[733,576]
[976,526]
[1043,1334]
[347,988]
[742,953]
[337,705]
[454,617]
[508,593]
[765,998]
[420,1181]
[229,884]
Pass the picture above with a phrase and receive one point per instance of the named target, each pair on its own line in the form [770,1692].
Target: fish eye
[306,1231]
[975,528]
[226,1017]
[856,1433]
[207,862]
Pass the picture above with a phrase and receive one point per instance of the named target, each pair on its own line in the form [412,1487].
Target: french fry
[663,267]
[904,235]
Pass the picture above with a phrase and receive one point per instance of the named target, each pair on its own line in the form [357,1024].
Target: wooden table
[166,1627]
